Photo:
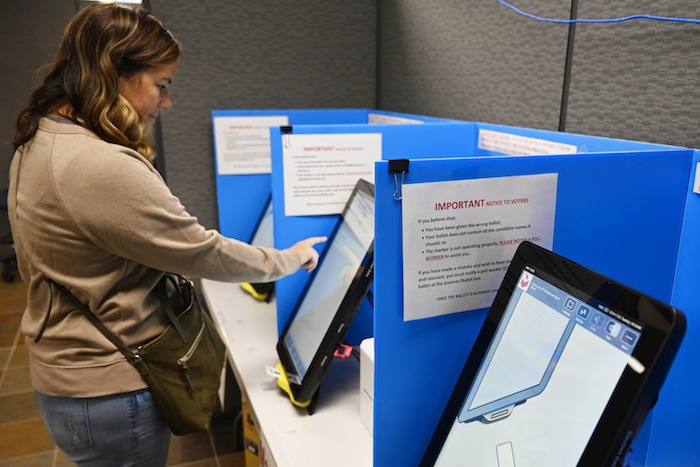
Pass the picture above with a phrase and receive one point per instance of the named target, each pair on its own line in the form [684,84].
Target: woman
[88,210]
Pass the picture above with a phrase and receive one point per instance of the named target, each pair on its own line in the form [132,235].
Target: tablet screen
[333,294]
[548,372]
[263,236]
[264,232]
[548,339]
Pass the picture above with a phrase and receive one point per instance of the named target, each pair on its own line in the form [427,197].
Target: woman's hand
[309,255]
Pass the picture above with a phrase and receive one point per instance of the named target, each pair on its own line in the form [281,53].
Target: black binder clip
[286,131]
[398,166]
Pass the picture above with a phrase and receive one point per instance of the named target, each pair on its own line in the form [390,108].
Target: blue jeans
[120,430]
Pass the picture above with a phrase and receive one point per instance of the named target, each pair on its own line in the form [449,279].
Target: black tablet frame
[635,394]
[305,389]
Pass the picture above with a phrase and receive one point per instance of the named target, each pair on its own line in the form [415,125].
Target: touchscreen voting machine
[332,296]
[563,373]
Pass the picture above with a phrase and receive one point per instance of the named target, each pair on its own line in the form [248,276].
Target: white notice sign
[517,145]
[320,171]
[460,236]
[381,119]
[243,144]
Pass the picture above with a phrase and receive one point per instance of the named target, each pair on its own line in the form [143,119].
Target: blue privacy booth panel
[673,432]
[617,213]
[398,141]
[241,198]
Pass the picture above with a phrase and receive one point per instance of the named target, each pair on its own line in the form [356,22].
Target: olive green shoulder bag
[182,366]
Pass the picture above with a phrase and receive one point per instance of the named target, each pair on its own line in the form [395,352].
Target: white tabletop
[334,434]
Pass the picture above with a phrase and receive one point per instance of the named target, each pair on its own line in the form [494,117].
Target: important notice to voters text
[321,170]
[459,237]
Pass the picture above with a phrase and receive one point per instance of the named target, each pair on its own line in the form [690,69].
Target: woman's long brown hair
[102,43]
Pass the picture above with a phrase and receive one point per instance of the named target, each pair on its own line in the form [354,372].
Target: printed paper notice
[320,171]
[382,119]
[516,145]
[243,144]
[460,236]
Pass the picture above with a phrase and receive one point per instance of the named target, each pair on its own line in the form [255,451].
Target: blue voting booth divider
[435,140]
[670,436]
[241,198]
[625,209]
[673,434]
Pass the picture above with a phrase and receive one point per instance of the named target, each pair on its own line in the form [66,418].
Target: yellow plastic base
[283,382]
[251,290]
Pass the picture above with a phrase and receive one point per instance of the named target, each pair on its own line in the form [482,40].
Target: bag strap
[162,294]
[133,359]
[48,313]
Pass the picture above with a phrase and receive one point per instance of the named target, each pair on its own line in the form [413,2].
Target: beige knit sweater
[99,219]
